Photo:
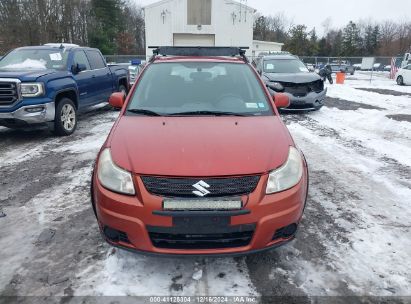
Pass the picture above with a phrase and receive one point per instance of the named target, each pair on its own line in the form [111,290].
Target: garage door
[194,40]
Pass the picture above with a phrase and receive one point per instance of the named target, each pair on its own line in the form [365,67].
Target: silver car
[285,73]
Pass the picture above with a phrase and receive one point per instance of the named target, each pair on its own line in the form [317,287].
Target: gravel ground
[354,239]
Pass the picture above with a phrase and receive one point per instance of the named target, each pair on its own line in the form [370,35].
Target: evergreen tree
[351,40]
[313,45]
[334,43]
[368,40]
[298,42]
[106,24]
[324,47]
[375,39]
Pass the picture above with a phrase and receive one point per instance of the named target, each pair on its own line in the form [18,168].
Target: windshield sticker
[270,66]
[303,69]
[261,105]
[251,105]
[55,57]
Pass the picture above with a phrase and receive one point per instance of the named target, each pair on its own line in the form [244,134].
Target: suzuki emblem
[201,188]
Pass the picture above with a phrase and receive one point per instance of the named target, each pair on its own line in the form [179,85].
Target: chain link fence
[380,62]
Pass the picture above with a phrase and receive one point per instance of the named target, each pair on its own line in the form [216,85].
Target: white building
[202,23]
[265,47]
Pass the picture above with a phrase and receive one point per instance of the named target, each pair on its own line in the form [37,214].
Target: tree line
[362,38]
[113,26]
[117,27]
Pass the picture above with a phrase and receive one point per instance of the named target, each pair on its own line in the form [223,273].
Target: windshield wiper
[144,112]
[215,113]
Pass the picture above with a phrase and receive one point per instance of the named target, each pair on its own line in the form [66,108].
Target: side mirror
[117,100]
[281,100]
[77,68]
[81,67]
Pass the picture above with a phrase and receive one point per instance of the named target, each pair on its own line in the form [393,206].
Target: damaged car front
[287,74]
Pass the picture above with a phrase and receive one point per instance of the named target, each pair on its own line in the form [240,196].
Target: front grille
[183,187]
[302,89]
[201,241]
[297,90]
[9,93]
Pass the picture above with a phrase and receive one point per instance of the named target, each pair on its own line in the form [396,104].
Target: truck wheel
[400,80]
[122,88]
[65,121]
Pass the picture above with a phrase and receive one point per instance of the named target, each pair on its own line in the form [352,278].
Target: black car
[286,73]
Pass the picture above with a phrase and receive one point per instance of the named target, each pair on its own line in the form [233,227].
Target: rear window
[171,88]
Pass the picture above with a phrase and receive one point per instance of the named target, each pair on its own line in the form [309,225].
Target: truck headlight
[34,89]
[112,177]
[288,175]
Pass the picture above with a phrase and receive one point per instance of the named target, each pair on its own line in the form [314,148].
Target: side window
[96,60]
[80,58]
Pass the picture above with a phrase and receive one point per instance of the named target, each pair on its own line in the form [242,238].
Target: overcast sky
[313,13]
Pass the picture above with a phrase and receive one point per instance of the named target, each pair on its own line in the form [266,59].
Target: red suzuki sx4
[199,161]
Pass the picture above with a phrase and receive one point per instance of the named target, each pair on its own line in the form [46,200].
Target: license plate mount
[202,204]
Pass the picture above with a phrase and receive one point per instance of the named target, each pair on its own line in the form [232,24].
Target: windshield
[284,66]
[199,88]
[34,59]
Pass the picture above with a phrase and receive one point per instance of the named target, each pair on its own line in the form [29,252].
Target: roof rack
[198,51]
[275,53]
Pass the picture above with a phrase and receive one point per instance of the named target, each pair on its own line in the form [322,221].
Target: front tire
[400,80]
[122,88]
[65,121]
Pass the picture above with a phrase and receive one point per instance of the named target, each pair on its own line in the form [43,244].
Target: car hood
[292,77]
[25,75]
[199,146]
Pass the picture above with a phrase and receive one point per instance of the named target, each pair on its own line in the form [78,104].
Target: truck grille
[201,241]
[183,187]
[9,92]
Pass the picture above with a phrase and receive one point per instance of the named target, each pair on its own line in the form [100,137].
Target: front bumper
[311,101]
[137,215]
[30,114]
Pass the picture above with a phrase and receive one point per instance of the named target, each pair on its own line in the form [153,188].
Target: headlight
[113,177]
[288,175]
[276,86]
[34,89]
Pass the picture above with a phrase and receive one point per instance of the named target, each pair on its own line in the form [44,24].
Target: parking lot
[354,238]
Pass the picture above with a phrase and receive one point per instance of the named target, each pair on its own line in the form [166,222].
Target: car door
[407,74]
[102,79]
[83,78]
